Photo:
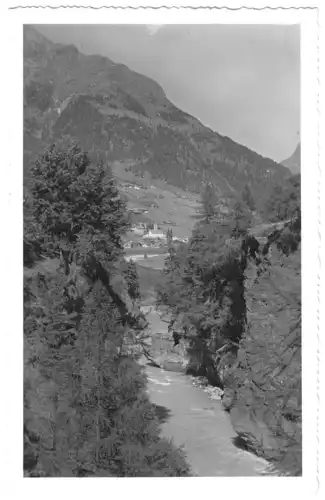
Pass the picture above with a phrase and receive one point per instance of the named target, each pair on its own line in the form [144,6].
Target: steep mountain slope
[127,116]
[293,163]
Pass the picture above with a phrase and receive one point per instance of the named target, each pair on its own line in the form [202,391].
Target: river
[191,419]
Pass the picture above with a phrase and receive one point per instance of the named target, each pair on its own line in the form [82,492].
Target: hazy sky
[242,81]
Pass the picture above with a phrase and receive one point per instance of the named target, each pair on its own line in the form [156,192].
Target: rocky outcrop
[163,354]
[160,348]
[266,408]
[253,431]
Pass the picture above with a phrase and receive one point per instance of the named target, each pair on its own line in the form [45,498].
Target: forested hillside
[86,410]
[235,305]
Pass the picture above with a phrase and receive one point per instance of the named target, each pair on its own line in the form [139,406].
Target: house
[138,210]
[155,235]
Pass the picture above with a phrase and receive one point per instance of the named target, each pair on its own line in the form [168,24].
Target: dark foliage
[38,95]
[247,198]
[132,279]
[285,200]
[86,412]
[203,287]
[228,301]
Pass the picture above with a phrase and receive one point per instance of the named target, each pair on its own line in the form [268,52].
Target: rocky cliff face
[265,402]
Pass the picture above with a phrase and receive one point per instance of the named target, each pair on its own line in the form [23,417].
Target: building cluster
[138,210]
[151,236]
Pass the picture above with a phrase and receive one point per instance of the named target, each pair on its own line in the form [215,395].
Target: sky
[242,81]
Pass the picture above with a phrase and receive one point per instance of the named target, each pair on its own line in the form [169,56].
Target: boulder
[253,430]
[163,354]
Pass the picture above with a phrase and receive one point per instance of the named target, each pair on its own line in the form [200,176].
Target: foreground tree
[76,206]
[86,408]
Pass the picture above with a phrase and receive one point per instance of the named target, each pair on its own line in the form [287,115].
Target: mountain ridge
[127,116]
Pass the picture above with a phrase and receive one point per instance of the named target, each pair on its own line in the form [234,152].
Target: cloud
[153,28]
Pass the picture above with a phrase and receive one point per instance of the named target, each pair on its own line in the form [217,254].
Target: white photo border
[11,469]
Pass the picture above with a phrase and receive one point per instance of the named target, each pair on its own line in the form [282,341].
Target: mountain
[293,163]
[128,117]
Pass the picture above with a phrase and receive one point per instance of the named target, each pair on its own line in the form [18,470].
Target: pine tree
[49,385]
[285,201]
[32,248]
[203,288]
[86,409]
[127,442]
[169,237]
[241,220]
[209,204]
[76,206]
[248,199]
[132,279]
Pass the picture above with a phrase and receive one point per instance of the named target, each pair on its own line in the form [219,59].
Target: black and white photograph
[163,233]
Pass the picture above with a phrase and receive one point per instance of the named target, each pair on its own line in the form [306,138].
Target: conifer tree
[247,198]
[132,279]
[285,201]
[86,408]
[209,204]
[76,206]
[241,220]
[169,236]
[204,285]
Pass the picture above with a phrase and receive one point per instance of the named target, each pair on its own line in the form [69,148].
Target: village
[150,235]
[158,216]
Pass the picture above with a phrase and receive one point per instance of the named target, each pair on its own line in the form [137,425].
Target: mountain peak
[294,161]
